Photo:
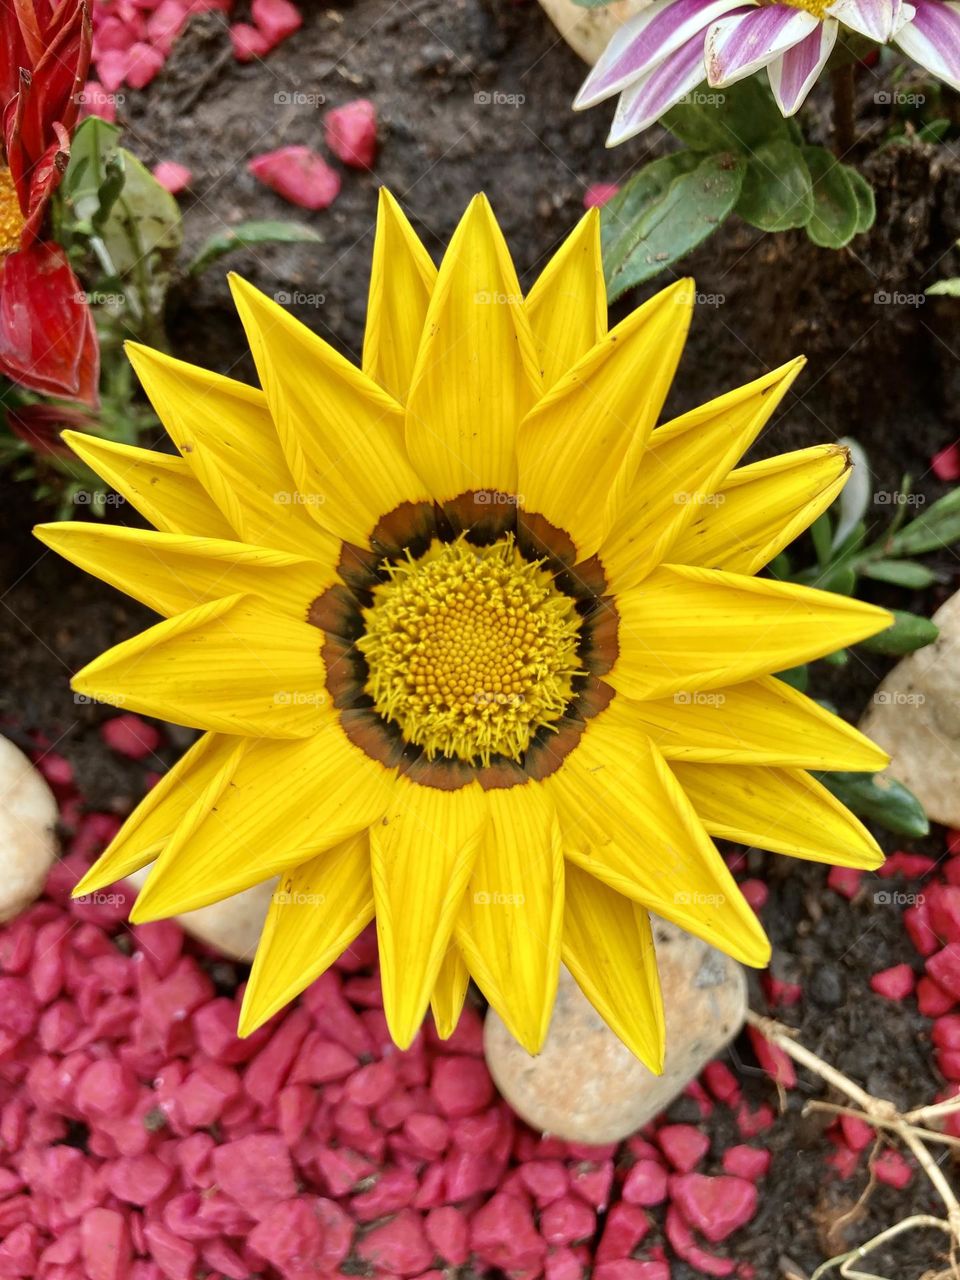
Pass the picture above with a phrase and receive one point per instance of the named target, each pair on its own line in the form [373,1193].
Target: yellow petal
[580,446]
[340,433]
[627,822]
[171,572]
[780,809]
[476,373]
[158,485]
[449,992]
[510,924]
[681,470]
[402,278]
[422,852]
[232,665]
[762,508]
[224,430]
[686,629]
[568,304]
[316,911]
[160,812]
[286,803]
[762,721]
[608,947]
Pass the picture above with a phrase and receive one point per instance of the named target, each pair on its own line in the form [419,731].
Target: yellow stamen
[816,7]
[471,650]
[11,218]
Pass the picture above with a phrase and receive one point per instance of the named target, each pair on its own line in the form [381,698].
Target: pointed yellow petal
[476,373]
[627,822]
[686,629]
[681,470]
[171,572]
[160,812]
[449,992]
[422,853]
[579,448]
[158,485]
[762,721]
[340,433]
[608,947]
[510,924]
[780,809]
[316,911]
[568,304]
[402,278]
[287,802]
[224,430]
[762,508]
[233,665]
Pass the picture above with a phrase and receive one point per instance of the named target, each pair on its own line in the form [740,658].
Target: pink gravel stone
[845,881]
[461,1086]
[625,1227]
[631,1269]
[105,1243]
[176,1258]
[131,736]
[173,177]
[18,1008]
[913,866]
[942,902]
[751,1123]
[932,1000]
[721,1081]
[372,1084]
[593,1183]
[684,1145]
[350,132]
[276,19]
[945,463]
[393,1190]
[399,1246]
[567,1220]
[918,923]
[546,1180]
[105,1089]
[895,983]
[139,1179]
[322,1061]
[646,1184]
[255,1171]
[502,1234]
[299,175]
[773,1059]
[891,1168]
[716,1207]
[747,1162]
[306,1236]
[248,42]
[944,968]
[682,1240]
[447,1229]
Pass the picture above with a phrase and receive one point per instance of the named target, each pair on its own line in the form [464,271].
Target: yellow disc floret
[11,218]
[470,650]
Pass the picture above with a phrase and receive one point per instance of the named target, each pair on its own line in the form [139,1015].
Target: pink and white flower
[671,47]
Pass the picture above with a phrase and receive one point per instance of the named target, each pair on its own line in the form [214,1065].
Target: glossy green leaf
[94,176]
[879,799]
[836,205]
[932,530]
[945,288]
[677,219]
[247,234]
[796,677]
[866,201]
[777,190]
[621,218]
[740,117]
[907,633]
[901,573]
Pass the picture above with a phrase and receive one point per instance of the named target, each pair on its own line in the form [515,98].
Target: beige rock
[231,926]
[915,716]
[585,1085]
[588,31]
[28,840]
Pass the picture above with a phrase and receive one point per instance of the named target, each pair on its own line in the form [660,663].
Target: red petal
[299,175]
[351,133]
[47,338]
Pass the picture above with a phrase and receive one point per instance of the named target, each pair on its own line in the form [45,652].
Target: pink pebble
[755,892]
[714,1206]
[932,1000]
[918,924]
[447,1230]
[105,1243]
[747,1162]
[750,1123]
[105,1089]
[597,195]
[566,1221]
[143,63]
[944,968]
[461,1086]
[350,132]
[683,1144]
[593,1183]
[684,1244]
[255,1171]
[277,19]
[625,1227]
[774,1060]
[721,1081]
[129,735]
[895,983]
[297,174]
[399,1246]
[945,463]
[857,1133]
[248,42]
[173,177]
[502,1234]
[646,1184]
[845,881]
[176,1258]
[891,1168]
[914,866]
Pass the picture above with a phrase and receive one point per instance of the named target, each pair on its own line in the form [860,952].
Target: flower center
[11,218]
[471,650]
[816,7]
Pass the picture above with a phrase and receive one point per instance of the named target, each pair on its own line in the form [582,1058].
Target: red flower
[47,338]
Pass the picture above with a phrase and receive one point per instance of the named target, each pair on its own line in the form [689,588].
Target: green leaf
[880,799]
[839,658]
[143,234]
[901,573]
[839,577]
[741,117]
[94,176]
[621,219]
[836,205]
[935,131]
[246,234]
[945,288]
[907,633]
[932,531]
[866,201]
[796,677]
[676,220]
[777,191]
[821,532]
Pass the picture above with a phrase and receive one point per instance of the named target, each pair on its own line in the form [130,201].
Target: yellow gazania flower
[476,649]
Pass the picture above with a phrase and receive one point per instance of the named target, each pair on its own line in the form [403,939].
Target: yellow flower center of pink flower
[470,650]
[11,219]
[816,7]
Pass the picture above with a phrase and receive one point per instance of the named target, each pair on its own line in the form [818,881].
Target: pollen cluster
[470,650]
[11,219]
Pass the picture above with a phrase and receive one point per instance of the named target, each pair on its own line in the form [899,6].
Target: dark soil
[884,372]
